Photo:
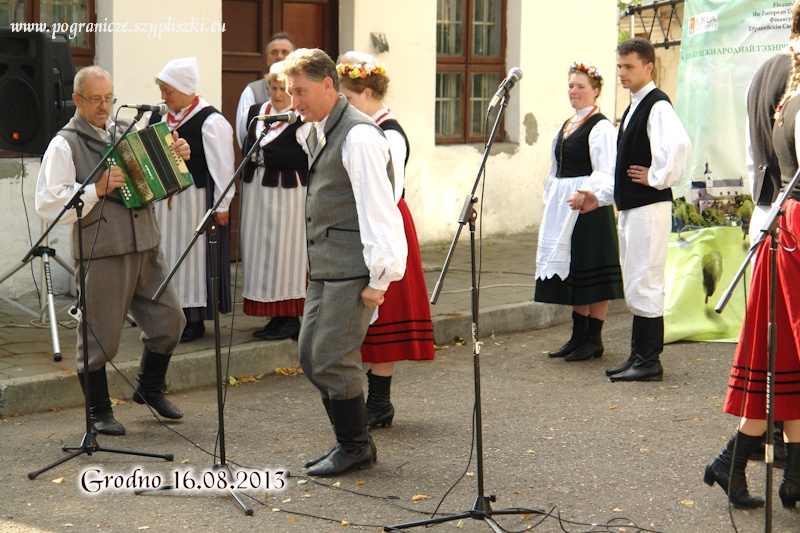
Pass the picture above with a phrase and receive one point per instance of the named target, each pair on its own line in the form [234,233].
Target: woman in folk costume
[212,167]
[577,260]
[747,384]
[403,330]
[273,228]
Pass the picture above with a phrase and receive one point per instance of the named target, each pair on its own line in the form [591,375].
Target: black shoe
[580,325]
[354,449]
[632,358]
[790,486]
[728,470]
[287,328]
[263,329]
[101,416]
[623,367]
[193,331]
[648,343]
[592,345]
[152,372]
[380,410]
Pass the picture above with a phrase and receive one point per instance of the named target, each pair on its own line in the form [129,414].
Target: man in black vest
[279,46]
[356,247]
[652,149]
[120,249]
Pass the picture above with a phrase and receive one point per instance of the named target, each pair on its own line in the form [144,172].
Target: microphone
[290,117]
[161,109]
[514,75]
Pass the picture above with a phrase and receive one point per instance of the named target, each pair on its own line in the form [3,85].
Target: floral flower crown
[360,70]
[590,71]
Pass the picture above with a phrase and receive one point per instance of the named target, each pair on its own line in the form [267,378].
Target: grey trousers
[335,322]
[126,283]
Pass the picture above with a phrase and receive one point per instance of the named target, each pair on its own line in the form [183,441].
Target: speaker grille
[20,111]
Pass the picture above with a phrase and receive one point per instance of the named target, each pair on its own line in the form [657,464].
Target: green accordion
[152,169]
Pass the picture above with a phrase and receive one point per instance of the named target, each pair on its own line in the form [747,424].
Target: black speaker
[36,73]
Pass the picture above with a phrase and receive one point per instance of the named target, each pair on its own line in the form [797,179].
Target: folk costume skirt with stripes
[594,272]
[273,245]
[178,217]
[403,330]
[747,384]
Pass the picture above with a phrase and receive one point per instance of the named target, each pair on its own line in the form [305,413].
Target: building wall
[439,178]
[166,31]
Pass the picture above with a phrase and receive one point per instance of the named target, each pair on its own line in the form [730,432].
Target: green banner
[701,266]
[722,45]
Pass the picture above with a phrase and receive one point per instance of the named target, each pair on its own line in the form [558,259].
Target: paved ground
[30,380]
[556,436]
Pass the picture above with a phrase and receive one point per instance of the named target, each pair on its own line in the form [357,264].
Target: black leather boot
[314,460]
[790,486]
[152,372]
[778,451]
[728,470]
[101,416]
[592,345]
[648,342]
[380,410]
[354,443]
[580,324]
[631,358]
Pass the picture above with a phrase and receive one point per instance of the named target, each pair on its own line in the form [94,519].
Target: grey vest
[260,90]
[119,230]
[335,252]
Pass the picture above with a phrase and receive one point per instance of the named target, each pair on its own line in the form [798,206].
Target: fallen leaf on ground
[418,497]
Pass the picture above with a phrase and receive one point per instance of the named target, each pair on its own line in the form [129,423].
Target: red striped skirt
[747,385]
[403,331]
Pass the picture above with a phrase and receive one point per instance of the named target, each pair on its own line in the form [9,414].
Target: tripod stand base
[482,510]
[219,466]
[89,446]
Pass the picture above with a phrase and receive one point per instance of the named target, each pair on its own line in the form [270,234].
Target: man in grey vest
[124,264]
[356,248]
[279,46]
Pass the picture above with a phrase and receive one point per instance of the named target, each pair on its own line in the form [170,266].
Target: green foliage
[745,211]
[712,271]
[685,214]
[719,213]
[714,217]
[624,4]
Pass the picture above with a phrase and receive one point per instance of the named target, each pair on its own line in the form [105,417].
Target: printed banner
[723,44]
[701,265]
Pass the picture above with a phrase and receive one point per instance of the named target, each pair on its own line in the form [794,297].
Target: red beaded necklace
[570,126]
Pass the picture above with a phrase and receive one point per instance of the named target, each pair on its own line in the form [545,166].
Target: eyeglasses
[109,100]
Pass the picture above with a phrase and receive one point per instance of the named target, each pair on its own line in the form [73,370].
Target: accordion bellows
[152,169]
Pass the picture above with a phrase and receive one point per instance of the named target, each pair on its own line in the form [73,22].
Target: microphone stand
[770,229]
[207,224]
[89,443]
[481,509]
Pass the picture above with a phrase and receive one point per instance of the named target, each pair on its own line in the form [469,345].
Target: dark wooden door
[248,26]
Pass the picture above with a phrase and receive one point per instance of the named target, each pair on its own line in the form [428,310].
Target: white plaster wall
[542,45]
[133,59]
